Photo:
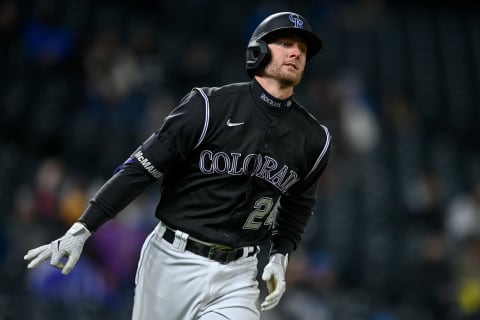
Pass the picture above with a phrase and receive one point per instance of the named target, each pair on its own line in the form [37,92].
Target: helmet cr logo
[297,22]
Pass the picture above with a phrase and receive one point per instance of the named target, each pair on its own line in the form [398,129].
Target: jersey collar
[263,98]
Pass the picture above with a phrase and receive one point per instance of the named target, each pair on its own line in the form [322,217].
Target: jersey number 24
[263,207]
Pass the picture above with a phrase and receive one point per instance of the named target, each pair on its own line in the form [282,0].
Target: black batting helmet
[274,25]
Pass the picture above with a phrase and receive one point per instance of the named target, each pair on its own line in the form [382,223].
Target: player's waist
[220,253]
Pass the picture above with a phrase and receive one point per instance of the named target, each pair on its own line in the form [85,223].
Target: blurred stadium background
[396,230]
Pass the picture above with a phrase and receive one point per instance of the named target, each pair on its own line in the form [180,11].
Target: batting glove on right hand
[70,246]
[274,275]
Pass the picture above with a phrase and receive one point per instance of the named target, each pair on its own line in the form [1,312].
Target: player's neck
[274,88]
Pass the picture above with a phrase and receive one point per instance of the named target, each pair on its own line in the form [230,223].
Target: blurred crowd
[396,230]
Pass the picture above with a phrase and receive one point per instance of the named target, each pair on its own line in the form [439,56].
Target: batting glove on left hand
[274,275]
[70,246]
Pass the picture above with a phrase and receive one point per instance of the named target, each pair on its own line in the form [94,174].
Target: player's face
[288,58]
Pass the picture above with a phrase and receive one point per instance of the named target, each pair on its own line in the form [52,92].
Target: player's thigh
[240,304]
[168,282]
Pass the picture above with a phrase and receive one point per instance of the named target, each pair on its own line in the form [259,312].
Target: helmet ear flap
[257,56]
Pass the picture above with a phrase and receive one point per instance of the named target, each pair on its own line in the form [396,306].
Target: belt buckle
[226,256]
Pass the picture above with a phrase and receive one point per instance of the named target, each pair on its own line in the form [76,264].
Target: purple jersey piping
[322,154]
[207,116]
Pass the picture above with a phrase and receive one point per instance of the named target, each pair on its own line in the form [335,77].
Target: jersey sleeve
[129,181]
[182,131]
[295,209]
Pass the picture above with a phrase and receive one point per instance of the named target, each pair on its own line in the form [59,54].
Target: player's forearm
[115,195]
[288,232]
[293,216]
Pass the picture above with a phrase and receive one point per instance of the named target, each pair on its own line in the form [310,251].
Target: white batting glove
[70,246]
[274,275]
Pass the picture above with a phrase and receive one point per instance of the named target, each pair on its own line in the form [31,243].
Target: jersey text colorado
[261,166]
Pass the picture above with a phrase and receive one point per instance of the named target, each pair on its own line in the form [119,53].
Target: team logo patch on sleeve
[147,165]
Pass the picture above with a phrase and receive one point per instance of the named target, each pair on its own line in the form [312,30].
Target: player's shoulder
[228,89]
[316,135]
[310,122]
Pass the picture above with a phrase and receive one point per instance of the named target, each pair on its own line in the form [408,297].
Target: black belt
[217,254]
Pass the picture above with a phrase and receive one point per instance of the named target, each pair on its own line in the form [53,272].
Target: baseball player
[239,166]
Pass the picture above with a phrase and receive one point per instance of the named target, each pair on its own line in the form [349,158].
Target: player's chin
[291,80]
[293,76]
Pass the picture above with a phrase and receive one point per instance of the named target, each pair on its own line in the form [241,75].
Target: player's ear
[257,56]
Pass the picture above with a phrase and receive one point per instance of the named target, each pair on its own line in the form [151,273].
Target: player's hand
[70,246]
[274,275]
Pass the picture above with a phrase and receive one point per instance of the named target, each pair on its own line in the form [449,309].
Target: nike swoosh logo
[234,124]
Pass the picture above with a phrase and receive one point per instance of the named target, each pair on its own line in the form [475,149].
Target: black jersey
[238,165]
